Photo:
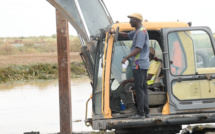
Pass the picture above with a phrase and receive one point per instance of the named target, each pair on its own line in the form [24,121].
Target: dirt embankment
[28,59]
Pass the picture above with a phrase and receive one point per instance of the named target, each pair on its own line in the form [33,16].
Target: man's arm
[149,76]
[128,81]
[140,40]
[121,34]
[133,53]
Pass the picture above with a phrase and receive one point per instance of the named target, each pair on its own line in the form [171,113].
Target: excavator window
[190,52]
[177,55]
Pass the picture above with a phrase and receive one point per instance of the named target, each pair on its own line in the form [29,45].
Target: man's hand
[128,81]
[123,61]
[133,53]
[125,82]
[111,31]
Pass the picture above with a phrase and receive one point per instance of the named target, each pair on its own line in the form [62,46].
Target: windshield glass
[190,52]
[97,79]
[120,50]
[94,15]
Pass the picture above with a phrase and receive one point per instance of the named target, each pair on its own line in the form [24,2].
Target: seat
[156,93]
[156,98]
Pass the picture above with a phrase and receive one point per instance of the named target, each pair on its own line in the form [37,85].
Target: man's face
[133,22]
[151,56]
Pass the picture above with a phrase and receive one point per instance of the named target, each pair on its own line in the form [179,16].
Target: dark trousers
[140,80]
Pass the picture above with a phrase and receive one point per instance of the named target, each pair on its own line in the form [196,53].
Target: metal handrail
[87,123]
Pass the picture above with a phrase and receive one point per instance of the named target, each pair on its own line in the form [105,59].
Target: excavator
[186,93]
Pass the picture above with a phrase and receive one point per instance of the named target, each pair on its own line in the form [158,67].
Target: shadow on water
[34,106]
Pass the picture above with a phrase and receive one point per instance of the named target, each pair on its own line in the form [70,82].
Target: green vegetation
[41,44]
[38,71]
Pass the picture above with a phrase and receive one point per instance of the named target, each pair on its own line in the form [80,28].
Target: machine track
[171,129]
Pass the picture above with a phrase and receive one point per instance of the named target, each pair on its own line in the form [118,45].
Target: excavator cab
[187,92]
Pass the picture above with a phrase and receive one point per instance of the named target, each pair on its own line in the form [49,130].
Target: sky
[37,17]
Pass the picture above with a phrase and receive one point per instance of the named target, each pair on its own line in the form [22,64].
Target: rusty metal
[88,122]
[180,119]
[167,129]
[64,74]
[208,76]
[32,132]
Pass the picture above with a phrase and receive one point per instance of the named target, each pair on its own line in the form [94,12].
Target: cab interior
[157,91]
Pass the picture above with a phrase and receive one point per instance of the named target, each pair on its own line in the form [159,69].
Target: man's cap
[152,50]
[136,15]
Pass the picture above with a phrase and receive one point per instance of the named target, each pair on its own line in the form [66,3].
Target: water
[34,106]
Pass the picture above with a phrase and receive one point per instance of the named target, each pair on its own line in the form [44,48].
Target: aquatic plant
[37,71]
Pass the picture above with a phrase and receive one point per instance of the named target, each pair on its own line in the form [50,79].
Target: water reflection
[34,106]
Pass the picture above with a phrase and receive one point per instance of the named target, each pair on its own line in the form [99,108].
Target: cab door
[189,69]
[86,16]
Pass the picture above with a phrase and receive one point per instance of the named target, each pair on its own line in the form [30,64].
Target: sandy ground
[26,59]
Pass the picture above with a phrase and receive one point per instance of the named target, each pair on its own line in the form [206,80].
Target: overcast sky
[37,17]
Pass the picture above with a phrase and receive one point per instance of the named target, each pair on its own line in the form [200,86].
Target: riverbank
[28,58]
[36,66]
[38,71]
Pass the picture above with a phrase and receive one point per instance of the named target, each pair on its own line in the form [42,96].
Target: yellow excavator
[186,92]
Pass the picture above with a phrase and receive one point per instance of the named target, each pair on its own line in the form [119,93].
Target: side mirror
[116,34]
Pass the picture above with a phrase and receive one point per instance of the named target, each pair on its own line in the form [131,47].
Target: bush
[54,36]
[37,71]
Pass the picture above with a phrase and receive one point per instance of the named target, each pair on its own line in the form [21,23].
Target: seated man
[124,90]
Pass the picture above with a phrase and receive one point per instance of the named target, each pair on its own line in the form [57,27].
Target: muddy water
[34,106]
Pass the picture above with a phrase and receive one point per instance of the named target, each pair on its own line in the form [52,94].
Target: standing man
[140,62]
[126,94]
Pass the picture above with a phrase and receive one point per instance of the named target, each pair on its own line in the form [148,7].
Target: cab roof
[150,25]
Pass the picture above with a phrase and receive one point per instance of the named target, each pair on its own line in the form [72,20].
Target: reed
[38,71]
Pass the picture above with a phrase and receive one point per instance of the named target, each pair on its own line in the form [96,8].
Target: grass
[38,71]
[32,44]
[41,44]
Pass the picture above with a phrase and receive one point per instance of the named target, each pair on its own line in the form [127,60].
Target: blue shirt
[140,40]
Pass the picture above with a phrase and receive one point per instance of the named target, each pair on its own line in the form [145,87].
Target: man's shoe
[129,111]
[137,116]
[147,115]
